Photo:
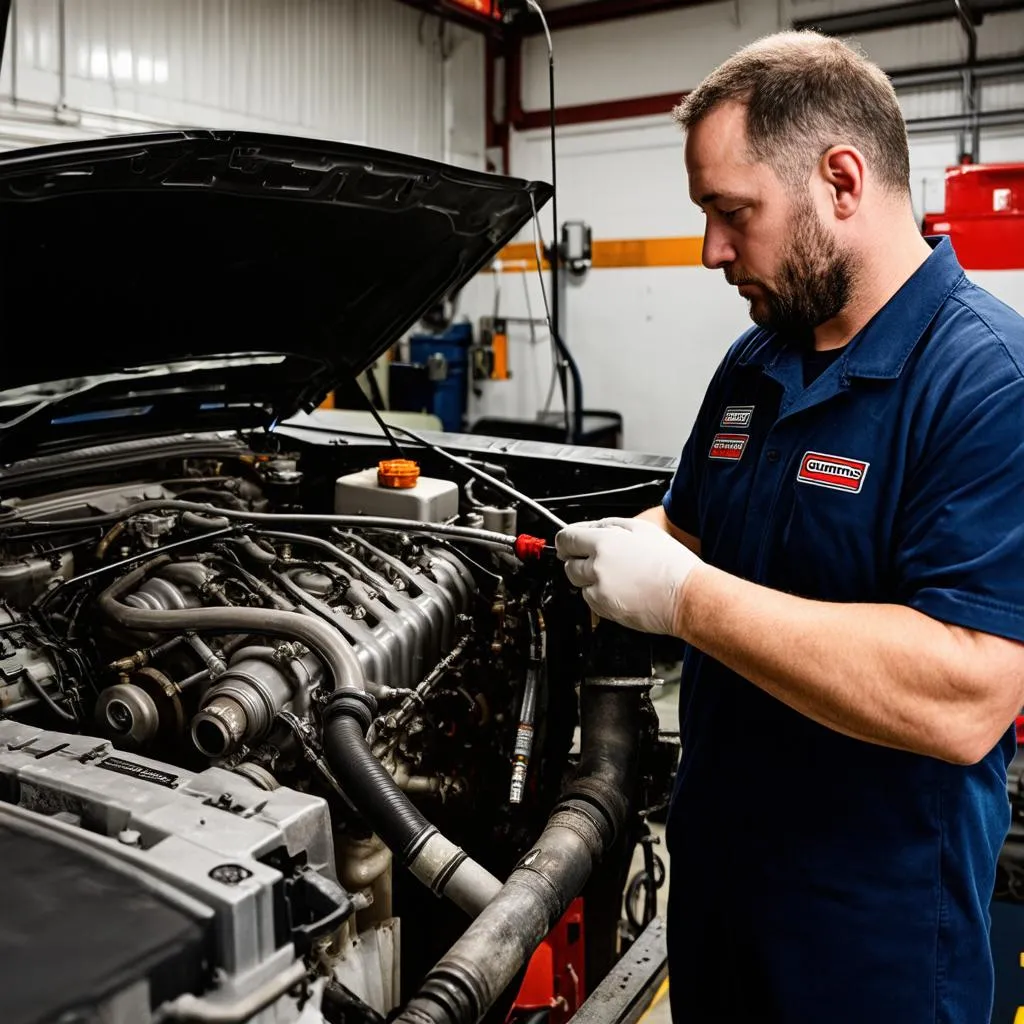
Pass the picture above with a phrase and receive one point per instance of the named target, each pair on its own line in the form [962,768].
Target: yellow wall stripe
[625,252]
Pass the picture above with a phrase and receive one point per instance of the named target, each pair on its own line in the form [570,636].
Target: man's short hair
[805,93]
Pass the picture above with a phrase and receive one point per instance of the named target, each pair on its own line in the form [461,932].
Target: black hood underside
[184,246]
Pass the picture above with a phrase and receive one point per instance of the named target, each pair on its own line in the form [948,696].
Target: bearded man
[842,549]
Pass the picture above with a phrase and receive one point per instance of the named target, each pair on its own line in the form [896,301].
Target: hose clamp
[352,703]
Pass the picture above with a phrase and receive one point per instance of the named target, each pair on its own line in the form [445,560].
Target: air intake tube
[433,859]
[471,976]
[436,861]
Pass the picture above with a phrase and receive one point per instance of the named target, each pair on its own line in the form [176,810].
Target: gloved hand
[630,571]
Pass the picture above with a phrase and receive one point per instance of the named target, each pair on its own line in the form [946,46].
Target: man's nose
[717,250]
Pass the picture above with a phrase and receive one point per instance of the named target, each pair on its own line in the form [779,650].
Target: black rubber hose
[204,523]
[256,554]
[472,975]
[40,691]
[369,785]
[212,495]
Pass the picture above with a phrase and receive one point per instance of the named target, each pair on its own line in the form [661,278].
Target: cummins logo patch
[728,446]
[737,415]
[832,471]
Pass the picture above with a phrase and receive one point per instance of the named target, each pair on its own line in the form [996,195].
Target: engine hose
[368,783]
[212,495]
[472,975]
[466,533]
[339,659]
[432,858]
[202,523]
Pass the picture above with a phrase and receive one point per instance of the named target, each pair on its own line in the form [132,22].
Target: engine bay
[247,663]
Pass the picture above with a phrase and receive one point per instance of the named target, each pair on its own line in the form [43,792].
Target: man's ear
[842,170]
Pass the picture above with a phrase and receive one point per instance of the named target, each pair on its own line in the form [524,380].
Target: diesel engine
[331,744]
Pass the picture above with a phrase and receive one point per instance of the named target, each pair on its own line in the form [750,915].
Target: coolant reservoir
[396,489]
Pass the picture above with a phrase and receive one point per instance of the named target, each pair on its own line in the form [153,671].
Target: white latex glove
[629,570]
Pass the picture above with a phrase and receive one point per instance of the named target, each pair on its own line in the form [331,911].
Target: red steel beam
[458,16]
[608,110]
[597,11]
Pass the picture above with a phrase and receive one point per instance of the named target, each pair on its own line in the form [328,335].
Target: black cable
[40,534]
[487,479]
[556,344]
[40,691]
[380,422]
[465,463]
[573,414]
[375,392]
[35,631]
[556,251]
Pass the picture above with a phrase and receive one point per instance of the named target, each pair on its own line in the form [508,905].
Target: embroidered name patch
[728,446]
[832,471]
[737,415]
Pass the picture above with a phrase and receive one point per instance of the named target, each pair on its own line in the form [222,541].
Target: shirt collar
[882,347]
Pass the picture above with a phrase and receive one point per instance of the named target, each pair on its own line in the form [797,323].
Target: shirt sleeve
[960,533]
[680,501]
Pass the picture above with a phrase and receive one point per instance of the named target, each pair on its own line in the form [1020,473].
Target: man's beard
[813,283]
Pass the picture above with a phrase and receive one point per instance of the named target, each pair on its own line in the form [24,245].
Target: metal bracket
[626,992]
[624,682]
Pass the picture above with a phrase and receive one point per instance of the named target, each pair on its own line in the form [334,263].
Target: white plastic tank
[395,489]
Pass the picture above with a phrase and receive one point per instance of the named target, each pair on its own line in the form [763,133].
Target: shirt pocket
[829,541]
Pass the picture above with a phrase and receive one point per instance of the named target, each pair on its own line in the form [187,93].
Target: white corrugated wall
[370,71]
[648,339]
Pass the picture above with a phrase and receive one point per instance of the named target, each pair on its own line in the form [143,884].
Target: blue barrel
[447,354]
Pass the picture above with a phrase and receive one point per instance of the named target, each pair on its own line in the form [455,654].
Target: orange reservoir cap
[398,473]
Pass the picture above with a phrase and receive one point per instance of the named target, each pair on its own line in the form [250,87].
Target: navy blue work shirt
[817,878]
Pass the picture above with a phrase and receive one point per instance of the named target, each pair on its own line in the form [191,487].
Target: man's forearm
[882,673]
[657,516]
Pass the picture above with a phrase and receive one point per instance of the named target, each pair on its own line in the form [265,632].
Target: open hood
[195,272]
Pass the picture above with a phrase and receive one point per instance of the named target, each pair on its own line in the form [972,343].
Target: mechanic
[842,549]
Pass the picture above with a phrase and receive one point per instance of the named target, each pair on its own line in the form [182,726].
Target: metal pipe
[970,87]
[914,12]
[19,705]
[954,122]
[62,56]
[949,74]
[498,485]
[14,48]
[206,1010]
[327,643]
[347,716]
[471,976]
[524,733]
[414,701]
[214,665]
[466,533]
[160,554]
[597,12]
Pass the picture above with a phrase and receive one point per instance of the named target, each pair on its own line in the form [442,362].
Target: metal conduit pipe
[467,533]
[471,976]
[433,859]
[956,122]
[952,74]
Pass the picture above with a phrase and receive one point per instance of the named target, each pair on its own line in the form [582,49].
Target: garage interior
[591,333]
